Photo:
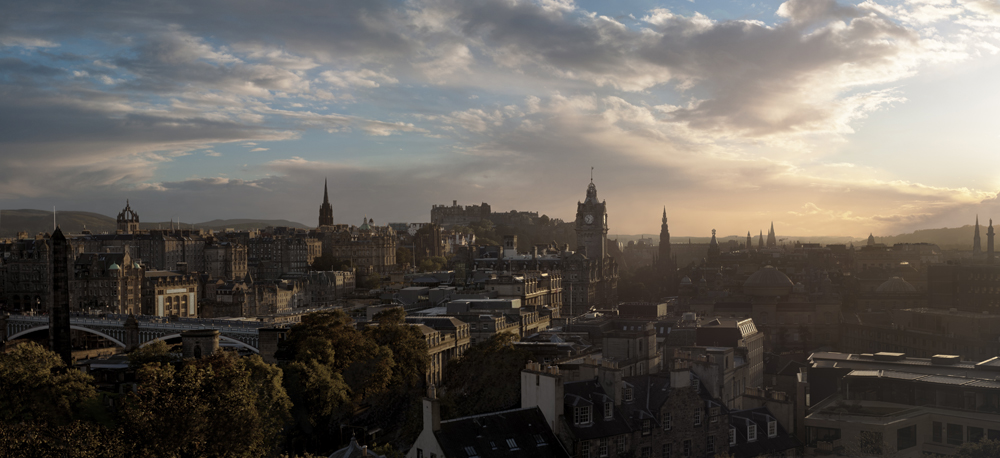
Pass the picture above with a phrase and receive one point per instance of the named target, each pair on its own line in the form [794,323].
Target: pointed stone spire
[664,214]
[325,210]
[749,240]
[771,239]
[977,248]
[760,240]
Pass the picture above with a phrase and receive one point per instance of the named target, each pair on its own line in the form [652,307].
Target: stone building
[590,275]
[226,260]
[667,414]
[24,275]
[169,293]
[108,282]
[447,338]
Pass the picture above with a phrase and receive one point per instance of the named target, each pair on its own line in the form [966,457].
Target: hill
[36,221]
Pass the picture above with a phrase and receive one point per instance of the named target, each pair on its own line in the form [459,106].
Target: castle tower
[989,243]
[325,210]
[771,240]
[977,249]
[128,220]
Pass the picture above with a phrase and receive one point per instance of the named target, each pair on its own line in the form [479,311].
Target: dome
[895,285]
[686,281]
[768,282]
[114,266]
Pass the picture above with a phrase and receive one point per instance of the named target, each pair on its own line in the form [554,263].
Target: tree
[982,449]
[223,405]
[404,256]
[78,439]
[486,379]
[38,386]
[408,346]
[154,352]
[332,367]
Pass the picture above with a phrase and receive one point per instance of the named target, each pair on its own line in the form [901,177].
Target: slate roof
[590,392]
[518,432]
[763,446]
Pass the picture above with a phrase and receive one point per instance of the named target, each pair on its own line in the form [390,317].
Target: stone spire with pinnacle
[325,210]
[771,239]
[977,248]
[665,260]
[760,241]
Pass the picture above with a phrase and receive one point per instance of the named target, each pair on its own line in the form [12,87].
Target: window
[512,445]
[609,408]
[666,420]
[714,413]
[493,445]
[697,417]
[627,393]
[936,431]
[582,415]
[585,449]
[772,428]
[539,441]
[646,452]
[710,444]
[687,447]
[603,449]
[645,428]
[667,449]
[906,437]
[621,444]
[420,453]
[732,437]
[975,434]
[955,434]
[751,432]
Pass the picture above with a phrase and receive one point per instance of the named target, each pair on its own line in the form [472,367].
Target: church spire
[771,239]
[977,247]
[664,214]
[326,210]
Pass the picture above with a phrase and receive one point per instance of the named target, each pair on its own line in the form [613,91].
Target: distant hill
[36,221]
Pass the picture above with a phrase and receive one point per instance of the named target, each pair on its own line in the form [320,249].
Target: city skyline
[828,118]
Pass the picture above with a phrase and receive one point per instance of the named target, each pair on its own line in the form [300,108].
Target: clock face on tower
[589,219]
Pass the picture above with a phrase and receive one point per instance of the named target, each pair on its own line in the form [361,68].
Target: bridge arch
[222,338]
[72,326]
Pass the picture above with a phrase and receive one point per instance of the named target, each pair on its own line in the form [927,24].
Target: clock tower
[592,225]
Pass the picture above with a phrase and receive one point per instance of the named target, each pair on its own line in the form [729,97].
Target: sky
[825,117]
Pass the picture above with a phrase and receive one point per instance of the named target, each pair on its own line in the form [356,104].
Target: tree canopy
[38,386]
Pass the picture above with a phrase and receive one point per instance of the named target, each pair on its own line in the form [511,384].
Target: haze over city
[829,118]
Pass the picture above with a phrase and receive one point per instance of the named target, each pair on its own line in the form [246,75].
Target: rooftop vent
[889,356]
[944,360]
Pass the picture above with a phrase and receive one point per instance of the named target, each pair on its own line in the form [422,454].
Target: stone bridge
[129,334]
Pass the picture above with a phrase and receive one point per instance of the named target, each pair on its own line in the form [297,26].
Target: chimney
[543,387]
[680,375]
[432,410]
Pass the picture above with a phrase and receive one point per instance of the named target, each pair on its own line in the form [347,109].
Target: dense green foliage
[981,449]
[486,379]
[38,387]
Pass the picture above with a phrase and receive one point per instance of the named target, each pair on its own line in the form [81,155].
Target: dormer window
[581,415]
[714,414]
[627,393]
[512,445]
[732,437]
[772,428]
[751,433]
[609,410]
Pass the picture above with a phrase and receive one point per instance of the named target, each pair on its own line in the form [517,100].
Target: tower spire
[664,214]
[989,243]
[326,194]
[325,210]
[977,247]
